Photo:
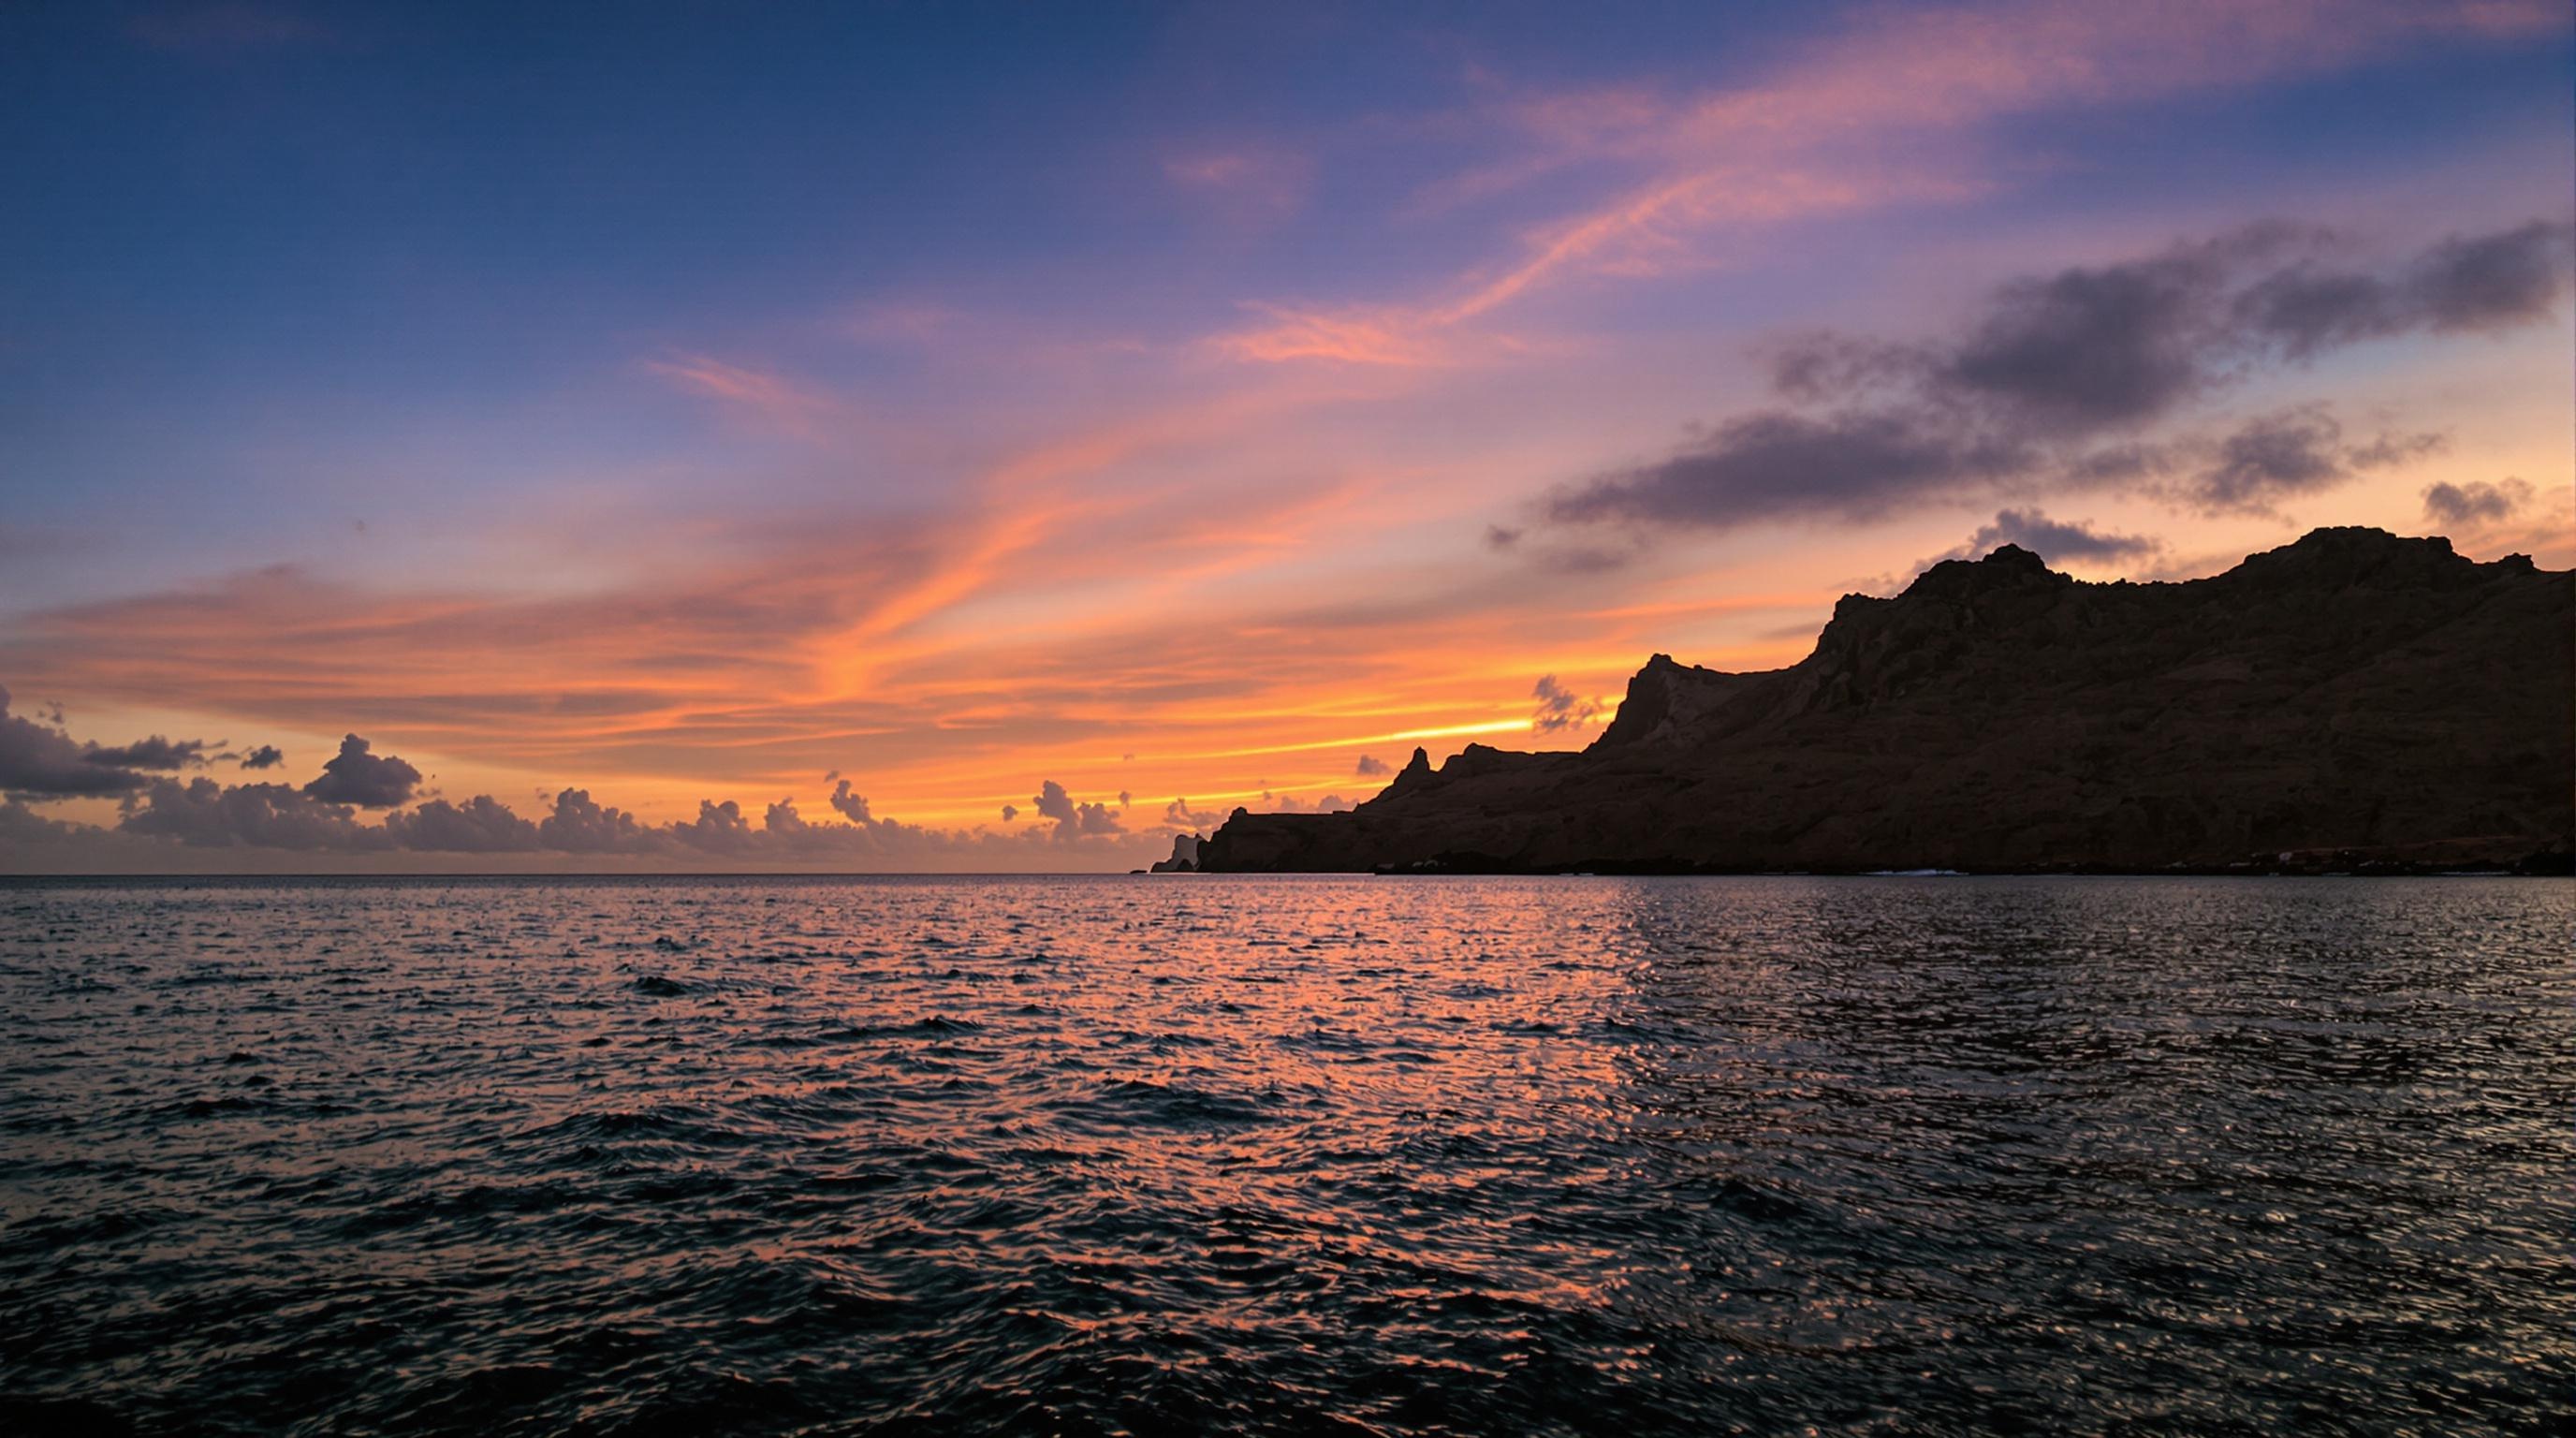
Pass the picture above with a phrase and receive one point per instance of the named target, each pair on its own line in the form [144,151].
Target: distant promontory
[2350,702]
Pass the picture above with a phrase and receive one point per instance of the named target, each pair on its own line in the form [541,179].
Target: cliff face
[2352,699]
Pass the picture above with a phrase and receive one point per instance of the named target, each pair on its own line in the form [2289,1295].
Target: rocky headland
[2353,701]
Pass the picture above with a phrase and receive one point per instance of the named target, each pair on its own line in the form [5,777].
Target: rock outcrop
[1185,856]
[2350,701]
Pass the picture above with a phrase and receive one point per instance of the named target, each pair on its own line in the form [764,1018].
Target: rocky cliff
[2351,701]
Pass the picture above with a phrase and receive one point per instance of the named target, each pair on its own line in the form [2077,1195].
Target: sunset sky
[1049,428]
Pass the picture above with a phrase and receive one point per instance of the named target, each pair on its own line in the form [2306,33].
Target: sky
[1003,437]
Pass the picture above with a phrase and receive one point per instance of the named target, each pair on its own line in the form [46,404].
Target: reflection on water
[1180,1154]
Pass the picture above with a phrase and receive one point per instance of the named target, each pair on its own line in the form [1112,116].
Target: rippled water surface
[1184,1155]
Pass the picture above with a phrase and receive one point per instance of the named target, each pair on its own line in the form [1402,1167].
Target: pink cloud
[1886,113]
[769,397]
[1244,185]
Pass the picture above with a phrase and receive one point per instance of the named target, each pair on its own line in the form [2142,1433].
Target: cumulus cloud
[160,816]
[2476,502]
[1372,767]
[1560,709]
[21,826]
[2061,377]
[204,814]
[1074,820]
[266,756]
[718,829]
[361,777]
[1052,802]
[1010,813]
[39,760]
[481,825]
[849,805]
[581,825]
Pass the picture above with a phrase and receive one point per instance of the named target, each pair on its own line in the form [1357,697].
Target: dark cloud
[2091,349]
[153,753]
[2480,283]
[851,806]
[2492,281]
[719,828]
[1074,820]
[1776,464]
[204,814]
[2476,502]
[2057,541]
[2286,455]
[2294,452]
[2305,311]
[1372,767]
[2391,449]
[22,826]
[580,825]
[41,761]
[1052,802]
[1010,813]
[2062,377]
[266,756]
[1818,367]
[1560,709]
[358,776]
[481,825]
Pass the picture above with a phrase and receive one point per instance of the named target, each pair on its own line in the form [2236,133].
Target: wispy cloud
[1244,184]
[770,398]
[1889,112]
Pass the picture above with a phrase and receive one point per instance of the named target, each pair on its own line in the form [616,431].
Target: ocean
[1200,1154]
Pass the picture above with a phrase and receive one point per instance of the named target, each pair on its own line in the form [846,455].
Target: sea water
[1194,1154]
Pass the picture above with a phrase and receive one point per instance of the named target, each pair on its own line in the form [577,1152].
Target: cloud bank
[161,817]
[2060,381]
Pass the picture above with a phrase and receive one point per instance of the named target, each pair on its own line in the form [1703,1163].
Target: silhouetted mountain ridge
[2353,699]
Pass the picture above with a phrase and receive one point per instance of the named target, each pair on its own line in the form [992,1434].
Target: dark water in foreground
[1181,1155]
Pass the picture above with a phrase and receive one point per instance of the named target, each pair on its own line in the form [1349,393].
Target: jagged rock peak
[1659,694]
[1412,776]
